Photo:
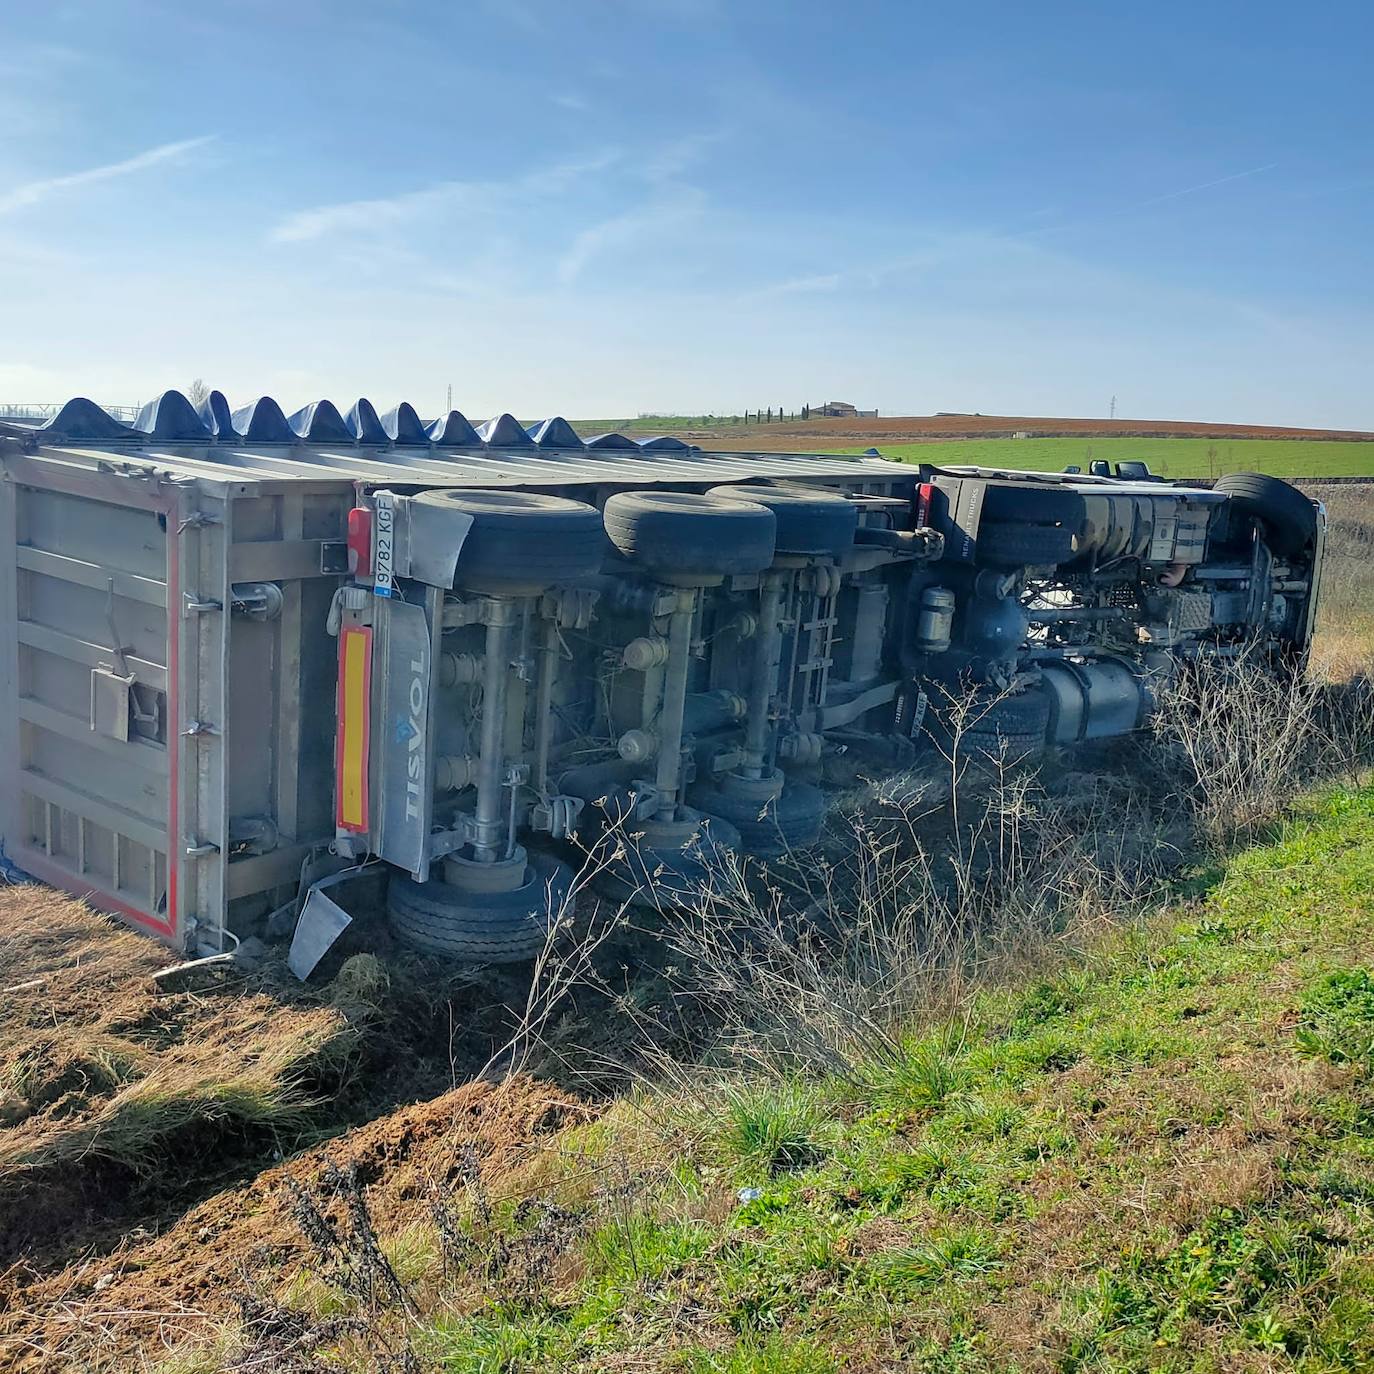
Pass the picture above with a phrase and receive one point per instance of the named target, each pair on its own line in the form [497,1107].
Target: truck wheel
[683,534]
[996,746]
[1019,545]
[769,829]
[481,927]
[809,521]
[1011,503]
[1288,517]
[1017,713]
[666,865]
[1013,727]
[521,543]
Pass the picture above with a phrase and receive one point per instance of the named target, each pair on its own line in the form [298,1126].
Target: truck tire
[678,533]
[769,829]
[1018,544]
[1011,728]
[666,877]
[809,521]
[1288,517]
[998,747]
[481,927]
[1018,713]
[1036,503]
[521,543]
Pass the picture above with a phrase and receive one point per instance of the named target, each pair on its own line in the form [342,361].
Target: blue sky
[600,207]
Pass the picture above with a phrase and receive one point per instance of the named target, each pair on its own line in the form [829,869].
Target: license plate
[384,547]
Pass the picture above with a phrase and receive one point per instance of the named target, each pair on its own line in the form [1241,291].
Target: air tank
[935,622]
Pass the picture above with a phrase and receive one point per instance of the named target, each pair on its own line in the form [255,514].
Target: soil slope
[148,1133]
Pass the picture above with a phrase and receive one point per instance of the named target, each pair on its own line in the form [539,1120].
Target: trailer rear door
[101,775]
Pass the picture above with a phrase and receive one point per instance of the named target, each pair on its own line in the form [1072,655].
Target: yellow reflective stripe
[353,754]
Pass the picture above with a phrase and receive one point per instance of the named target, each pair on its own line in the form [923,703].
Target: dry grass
[1233,744]
[932,884]
[920,892]
[1237,743]
[1344,646]
[96,1063]
[136,1296]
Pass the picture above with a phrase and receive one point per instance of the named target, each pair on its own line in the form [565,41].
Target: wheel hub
[471,875]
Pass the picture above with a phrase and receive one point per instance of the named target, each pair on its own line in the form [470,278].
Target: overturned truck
[243,650]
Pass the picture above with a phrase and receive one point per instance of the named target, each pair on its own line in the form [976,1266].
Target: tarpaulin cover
[172,419]
[363,424]
[83,419]
[262,422]
[215,415]
[555,433]
[320,423]
[454,431]
[505,431]
[404,426]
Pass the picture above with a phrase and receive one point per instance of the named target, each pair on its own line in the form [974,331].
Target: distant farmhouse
[837,410]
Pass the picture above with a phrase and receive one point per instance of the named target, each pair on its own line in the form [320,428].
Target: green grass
[772,1355]
[1160,1156]
[1168,457]
[768,1130]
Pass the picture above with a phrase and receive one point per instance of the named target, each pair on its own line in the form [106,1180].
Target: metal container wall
[84,809]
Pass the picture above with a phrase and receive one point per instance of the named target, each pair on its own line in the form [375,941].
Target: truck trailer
[244,651]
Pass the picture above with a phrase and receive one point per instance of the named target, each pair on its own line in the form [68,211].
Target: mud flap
[322,921]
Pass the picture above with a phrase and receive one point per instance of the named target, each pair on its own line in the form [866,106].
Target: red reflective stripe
[36,862]
[172,514]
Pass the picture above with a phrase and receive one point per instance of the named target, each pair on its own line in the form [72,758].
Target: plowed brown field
[825,434]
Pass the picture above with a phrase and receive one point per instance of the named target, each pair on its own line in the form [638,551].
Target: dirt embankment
[147,1136]
[164,1284]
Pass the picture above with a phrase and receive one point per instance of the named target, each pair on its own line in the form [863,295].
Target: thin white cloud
[374,216]
[1088,221]
[32,192]
[522,16]
[1204,186]
[824,281]
[28,254]
[670,161]
[533,17]
[26,60]
[682,11]
[354,216]
[621,231]
[549,181]
[671,202]
[867,276]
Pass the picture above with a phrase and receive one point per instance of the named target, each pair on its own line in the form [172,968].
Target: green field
[1158,1157]
[1168,457]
